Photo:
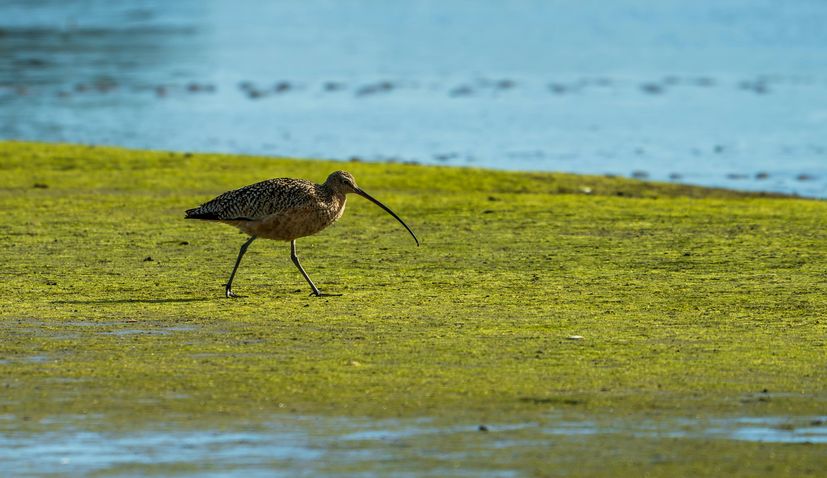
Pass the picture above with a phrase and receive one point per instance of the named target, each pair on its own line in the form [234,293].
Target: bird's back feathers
[258,200]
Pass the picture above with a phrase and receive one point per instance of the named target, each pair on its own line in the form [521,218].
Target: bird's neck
[335,200]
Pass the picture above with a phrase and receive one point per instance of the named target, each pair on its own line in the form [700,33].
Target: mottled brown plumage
[284,209]
[280,209]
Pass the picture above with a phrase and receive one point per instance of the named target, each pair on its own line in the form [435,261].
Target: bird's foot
[230,294]
[318,293]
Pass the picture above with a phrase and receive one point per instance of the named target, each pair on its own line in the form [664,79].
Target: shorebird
[284,209]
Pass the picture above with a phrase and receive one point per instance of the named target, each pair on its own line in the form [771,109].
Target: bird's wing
[273,196]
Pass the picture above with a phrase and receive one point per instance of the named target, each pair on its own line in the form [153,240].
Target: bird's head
[343,182]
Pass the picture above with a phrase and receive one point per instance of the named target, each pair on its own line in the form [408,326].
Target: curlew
[284,209]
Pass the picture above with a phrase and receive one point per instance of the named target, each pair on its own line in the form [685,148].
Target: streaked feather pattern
[261,199]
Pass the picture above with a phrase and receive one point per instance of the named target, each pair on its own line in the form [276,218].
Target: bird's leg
[228,287]
[295,259]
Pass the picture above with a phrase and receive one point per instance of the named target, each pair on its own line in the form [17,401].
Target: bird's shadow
[132,301]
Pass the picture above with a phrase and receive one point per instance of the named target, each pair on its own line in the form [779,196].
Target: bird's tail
[198,213]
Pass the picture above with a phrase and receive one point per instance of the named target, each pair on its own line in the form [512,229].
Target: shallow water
[716,93]
[325,446]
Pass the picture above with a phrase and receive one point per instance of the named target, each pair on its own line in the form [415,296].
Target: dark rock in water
[703,81]
[758,87]
[333,86]
[463,90]
[247,85]
[31,62]
[255,94]
[482,428]
[718,148]
[675,176]
[504,84]
[558,88]
[761,175]
[105,84]
[737,176]
[652,88]
[444,157]
[638,174]
[805,177]
[282,87]
[372,89]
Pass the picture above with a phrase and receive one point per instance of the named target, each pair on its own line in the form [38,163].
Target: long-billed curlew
[284,209]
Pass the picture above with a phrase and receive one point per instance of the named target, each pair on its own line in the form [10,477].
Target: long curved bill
[387,209]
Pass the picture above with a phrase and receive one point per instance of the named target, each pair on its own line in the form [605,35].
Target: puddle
[135,332]
[325,446]
[180,328]
[83,323]
[771,430]
[291,447]
[754,429]
[158,331]
[26,359]
[63,330]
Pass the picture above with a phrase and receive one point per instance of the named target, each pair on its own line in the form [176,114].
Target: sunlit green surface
[690,302]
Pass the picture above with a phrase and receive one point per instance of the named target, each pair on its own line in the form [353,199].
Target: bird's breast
[294,223]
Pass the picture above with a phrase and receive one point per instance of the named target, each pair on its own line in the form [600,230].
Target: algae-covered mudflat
[548,325]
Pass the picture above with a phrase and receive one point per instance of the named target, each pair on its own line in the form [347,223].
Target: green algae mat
[534,299]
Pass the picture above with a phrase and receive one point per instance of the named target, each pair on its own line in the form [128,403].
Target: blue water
[328,446]
[727,93]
